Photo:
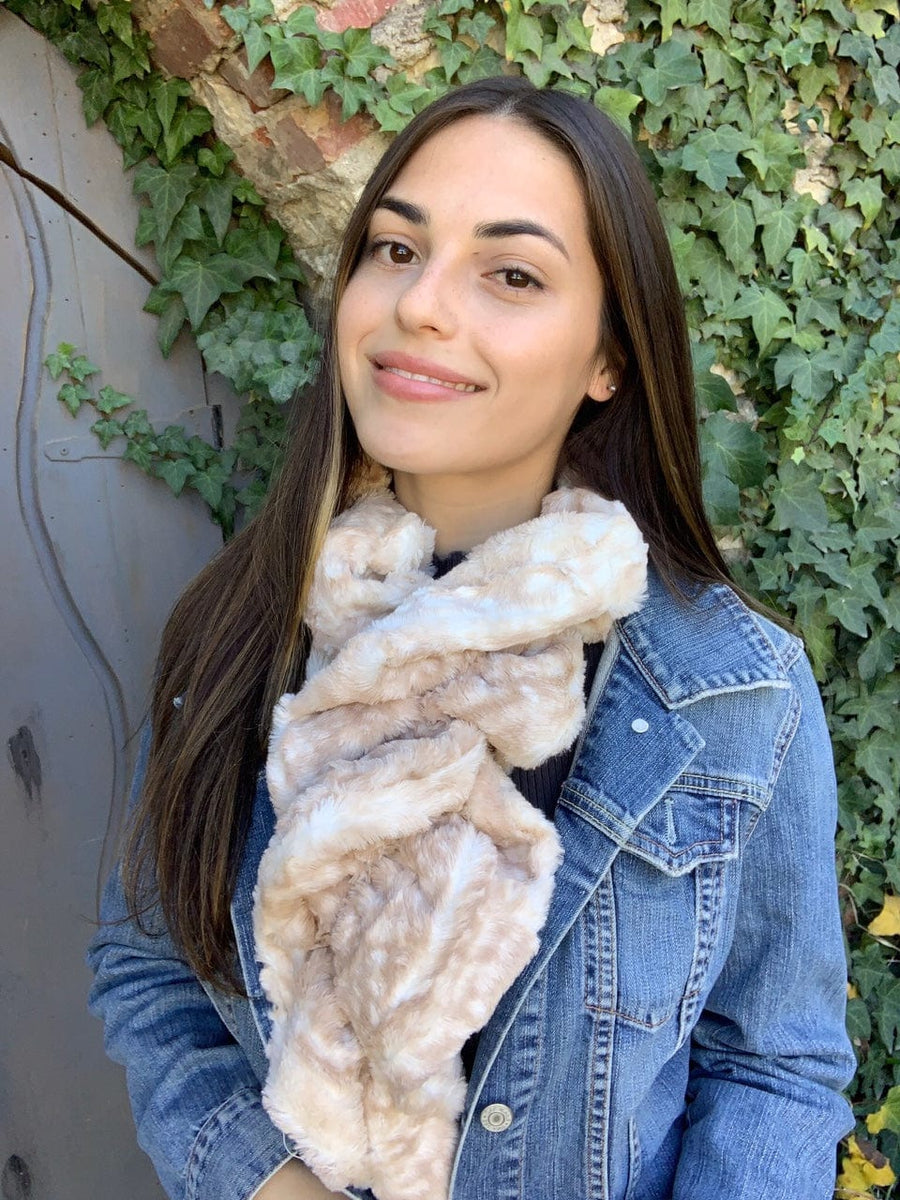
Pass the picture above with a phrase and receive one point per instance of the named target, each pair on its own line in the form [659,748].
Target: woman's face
[467,335]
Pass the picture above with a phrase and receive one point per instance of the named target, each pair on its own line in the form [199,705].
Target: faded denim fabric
[679,1034]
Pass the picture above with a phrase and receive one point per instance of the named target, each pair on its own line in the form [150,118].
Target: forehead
[490,168]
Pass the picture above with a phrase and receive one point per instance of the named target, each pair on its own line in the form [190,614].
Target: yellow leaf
[852,1183]
[861,1169]
[887,923]
[852,991]
[876,1121]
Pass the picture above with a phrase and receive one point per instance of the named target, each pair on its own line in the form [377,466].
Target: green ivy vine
[792,295]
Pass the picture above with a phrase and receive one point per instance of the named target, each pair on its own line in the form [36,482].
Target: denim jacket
[680,1033]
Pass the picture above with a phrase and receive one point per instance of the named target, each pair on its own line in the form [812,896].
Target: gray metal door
[92,555]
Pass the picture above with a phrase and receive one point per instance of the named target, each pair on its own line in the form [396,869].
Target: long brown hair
[236,639]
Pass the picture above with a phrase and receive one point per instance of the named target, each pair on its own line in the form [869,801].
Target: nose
[429,299]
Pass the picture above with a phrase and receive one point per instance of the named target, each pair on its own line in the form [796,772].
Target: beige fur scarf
[407,879]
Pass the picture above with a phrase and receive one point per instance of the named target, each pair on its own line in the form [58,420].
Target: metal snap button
[496,1117]
[639,725]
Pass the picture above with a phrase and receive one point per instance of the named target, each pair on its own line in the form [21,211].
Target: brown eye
[399,253]
[517,279]
[395,253]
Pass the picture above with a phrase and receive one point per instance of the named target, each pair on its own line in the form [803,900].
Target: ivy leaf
[80,367]
[714,13]
[353,93]
[888,1015]
[187,124]
[128,61]
[797,501]
[735,449]
[867,195]
[86,45]
[453,55]
[59,360]
[73,395]
[878,657]
[886,84]
[617,103]
[484,64]
[768,313]
[869,132]
[280,380]
[779,230]
[672,13]
[712,155]
[166,189]
[172,441]
[215,159]
[362,54]
[202,281]
[98,91]
[813,79]
[171,322]
[258,249]
[710,268]
[298,67]
[175,471]
[165,94]
[215,198]
[209,488]
[721,498]
[117,18]
[137,424]
[187,226]
[106,430]
[775,155]
[108,400]
[256,43]
[477,27]
[140,453]
[523,33]
[735,225]
[674,66]
[879,757]
[809,375]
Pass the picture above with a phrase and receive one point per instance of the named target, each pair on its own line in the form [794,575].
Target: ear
[601,384]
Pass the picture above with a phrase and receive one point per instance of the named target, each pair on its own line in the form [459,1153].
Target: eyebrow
[489,229]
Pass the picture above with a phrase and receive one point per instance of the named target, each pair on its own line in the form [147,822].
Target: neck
[464,513]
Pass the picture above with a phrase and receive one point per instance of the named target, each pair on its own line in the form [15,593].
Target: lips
[422,372]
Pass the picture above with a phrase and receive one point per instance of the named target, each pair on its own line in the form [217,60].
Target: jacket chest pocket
[657,922]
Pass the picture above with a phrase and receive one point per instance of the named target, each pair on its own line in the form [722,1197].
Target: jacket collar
[694,647]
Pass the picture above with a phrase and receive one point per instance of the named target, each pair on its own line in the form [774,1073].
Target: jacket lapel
[605,798]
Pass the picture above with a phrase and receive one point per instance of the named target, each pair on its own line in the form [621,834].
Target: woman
[636,908]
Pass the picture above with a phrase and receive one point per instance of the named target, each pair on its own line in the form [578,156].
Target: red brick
[356,14]
[186,37]
[333,136]
[299,152]
[257,87]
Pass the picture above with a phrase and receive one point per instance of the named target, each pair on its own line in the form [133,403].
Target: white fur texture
[407,880]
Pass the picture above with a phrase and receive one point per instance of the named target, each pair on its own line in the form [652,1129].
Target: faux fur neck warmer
[407,879]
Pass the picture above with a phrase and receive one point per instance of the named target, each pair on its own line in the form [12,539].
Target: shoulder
[706,642]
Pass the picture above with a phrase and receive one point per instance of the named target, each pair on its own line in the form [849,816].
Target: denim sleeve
[770,1053]
[196,1100]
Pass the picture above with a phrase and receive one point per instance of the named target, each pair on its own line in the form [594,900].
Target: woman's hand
[293,1181]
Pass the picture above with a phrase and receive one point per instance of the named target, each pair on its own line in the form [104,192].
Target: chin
[411,460]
